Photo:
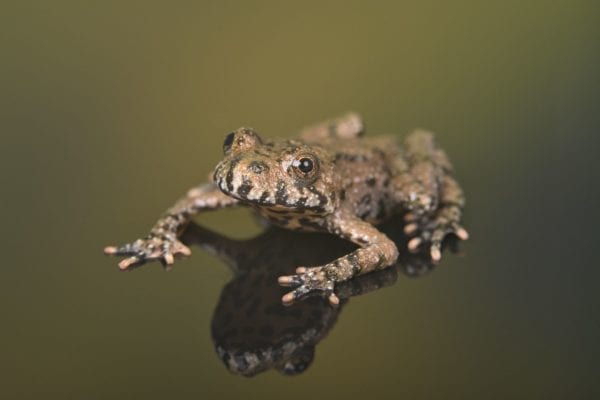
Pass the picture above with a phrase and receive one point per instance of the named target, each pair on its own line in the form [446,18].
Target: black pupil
[228,141]
[306,165]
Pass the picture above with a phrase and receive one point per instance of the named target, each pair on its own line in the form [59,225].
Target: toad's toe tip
[288,298]
[334,300]
[169,259]
[414,243]
[110,250]
[436,254]
[184,250]
[462,234]
[410,228]
[126,263]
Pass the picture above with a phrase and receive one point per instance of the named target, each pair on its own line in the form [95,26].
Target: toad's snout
[242,178]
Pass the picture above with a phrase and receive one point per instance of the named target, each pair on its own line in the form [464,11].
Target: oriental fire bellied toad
[331,179]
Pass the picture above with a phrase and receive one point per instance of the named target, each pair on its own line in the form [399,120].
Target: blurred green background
[110,110]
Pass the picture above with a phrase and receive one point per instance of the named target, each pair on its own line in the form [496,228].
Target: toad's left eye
[305,165]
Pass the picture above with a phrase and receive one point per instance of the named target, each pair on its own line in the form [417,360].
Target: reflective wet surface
[251,329]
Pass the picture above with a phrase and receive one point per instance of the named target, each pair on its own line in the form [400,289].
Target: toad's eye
[305,165]
[228,142]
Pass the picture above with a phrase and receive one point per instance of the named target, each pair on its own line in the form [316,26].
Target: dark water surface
[110,111]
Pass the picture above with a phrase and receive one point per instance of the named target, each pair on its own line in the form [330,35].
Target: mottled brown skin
[332,180]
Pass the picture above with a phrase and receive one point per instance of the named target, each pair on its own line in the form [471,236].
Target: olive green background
[111,110]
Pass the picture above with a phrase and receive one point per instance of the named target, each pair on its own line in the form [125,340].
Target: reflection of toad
[252,330]
[331,180]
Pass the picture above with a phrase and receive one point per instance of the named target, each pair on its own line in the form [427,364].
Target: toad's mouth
[276,198]
[268,191]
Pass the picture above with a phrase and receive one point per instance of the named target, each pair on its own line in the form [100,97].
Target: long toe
[128,262]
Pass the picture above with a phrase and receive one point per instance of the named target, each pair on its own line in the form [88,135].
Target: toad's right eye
[305,165]
[228,142]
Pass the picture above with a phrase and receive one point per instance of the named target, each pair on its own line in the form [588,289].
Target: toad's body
[331,179]
[349,176]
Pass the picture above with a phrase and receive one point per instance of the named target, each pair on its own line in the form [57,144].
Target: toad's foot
[432,231]
[308,281]
[162,248]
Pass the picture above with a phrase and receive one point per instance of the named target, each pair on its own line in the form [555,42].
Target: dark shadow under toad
[251,329]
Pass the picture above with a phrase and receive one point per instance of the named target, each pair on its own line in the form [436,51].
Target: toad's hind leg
[416,185]
[347,126]
[426,188]
[444,221]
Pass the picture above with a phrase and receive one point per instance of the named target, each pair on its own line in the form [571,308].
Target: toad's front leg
[377,251]
[162,242]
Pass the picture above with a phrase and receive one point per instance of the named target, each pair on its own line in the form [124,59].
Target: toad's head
[277,174]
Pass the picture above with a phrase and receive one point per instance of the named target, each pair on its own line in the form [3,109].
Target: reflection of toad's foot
[431,232]
[163,248]
[309,281]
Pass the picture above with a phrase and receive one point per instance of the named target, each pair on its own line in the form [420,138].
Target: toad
[330,179]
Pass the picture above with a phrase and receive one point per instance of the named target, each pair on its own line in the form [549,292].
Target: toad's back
[366,167]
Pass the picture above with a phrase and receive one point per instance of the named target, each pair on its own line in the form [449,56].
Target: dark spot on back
[366,199]
[350,157]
